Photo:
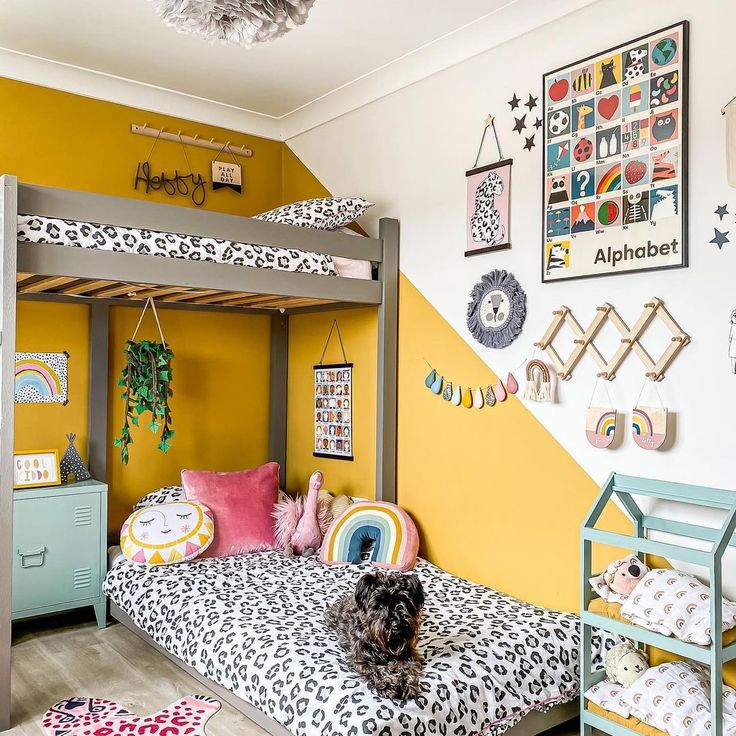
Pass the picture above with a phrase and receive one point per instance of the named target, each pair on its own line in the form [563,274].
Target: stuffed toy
[625,664]
[622,576]
[619,579]
[301,523]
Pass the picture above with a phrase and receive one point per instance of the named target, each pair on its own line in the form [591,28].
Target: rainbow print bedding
[253,624]
[55,231]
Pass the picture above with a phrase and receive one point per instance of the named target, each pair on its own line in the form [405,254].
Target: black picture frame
[683,66]
[333,454]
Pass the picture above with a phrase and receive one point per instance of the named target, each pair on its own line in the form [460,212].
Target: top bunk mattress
[76,234]
[254,624]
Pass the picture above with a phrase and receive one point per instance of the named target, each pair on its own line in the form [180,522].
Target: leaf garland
[146,380]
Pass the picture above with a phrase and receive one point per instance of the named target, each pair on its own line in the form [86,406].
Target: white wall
[408,153]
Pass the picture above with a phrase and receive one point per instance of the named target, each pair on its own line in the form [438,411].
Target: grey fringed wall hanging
[497,309]
[241,22]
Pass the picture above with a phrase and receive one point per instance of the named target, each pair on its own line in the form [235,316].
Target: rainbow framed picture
[614,194]
[333,411]
[41,378]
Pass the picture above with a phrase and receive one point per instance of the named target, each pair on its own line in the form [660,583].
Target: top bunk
[125,251]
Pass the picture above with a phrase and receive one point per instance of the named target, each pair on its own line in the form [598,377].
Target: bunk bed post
[8,268]
[99,332]
[278,393]
[388,329]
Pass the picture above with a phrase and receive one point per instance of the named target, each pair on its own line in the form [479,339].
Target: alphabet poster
[615,160]
[333,411]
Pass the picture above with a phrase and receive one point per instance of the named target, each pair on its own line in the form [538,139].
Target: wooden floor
[54,658]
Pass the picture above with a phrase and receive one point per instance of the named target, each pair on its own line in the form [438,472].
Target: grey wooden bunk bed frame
[104,278]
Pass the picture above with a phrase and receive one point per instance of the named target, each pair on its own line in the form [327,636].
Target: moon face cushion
[167,533]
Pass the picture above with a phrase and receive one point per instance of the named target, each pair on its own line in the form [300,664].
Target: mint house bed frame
[625,488]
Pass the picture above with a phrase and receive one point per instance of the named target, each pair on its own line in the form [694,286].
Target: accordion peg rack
[584,341]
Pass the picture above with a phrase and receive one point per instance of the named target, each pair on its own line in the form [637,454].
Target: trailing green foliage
[146,380]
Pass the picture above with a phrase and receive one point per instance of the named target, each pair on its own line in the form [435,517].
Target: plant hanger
[151,303]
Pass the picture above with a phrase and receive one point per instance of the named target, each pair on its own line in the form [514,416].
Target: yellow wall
[63,140]
[220,404]
[50,328]
[307,335]
[496,497]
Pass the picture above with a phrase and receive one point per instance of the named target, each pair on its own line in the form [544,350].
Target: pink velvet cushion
[242,503]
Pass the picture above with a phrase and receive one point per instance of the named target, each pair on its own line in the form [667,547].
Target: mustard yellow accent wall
[220,403]
[64,140]
[221,380]
[54,328]
[307,335]
[496,498]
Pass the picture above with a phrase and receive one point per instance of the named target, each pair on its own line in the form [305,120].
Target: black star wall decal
[529,143]
[720,238]
[538,123]
[520,124]
[514,102]
[531,103]
[722,211]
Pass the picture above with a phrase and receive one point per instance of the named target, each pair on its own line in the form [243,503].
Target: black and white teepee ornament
[72,463]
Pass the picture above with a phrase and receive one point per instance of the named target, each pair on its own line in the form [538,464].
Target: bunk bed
[694,544]
[118,272]
[38,268]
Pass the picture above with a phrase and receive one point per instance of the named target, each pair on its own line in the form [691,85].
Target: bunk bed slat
[52,260]
[698,495]
[125,212]
[684,529]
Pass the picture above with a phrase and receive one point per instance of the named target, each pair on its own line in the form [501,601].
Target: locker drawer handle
[40,552]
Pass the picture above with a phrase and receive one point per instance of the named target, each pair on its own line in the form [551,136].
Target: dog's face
[392,605]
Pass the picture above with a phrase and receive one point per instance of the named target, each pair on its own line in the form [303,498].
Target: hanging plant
[146,380]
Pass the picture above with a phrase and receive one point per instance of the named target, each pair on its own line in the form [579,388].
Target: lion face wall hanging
[497,309]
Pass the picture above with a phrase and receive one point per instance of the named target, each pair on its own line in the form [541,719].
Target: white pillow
[607,695]
[350,268]
[167,533]
[166,494]
[325,213]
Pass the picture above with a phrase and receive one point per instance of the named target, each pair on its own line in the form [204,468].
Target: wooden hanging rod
[189,140]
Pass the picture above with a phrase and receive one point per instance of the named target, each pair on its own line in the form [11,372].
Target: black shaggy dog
[378,627]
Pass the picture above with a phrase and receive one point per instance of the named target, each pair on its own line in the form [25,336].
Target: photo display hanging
[333,407]
[615,160]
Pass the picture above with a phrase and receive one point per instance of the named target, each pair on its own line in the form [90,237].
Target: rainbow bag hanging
[649,426]
[649,423]
[538,381]
[600,425]
[600,421]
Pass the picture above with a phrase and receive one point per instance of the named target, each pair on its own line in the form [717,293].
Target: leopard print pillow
[325,213]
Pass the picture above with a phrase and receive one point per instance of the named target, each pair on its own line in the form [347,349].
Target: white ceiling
[344,47]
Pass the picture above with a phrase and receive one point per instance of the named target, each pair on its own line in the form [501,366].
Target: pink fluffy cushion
[242,503]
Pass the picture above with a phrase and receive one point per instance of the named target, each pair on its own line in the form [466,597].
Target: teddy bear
[625,664]
[622,576]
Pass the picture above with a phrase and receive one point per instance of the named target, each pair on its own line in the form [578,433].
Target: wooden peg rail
[191,140]
[585,341]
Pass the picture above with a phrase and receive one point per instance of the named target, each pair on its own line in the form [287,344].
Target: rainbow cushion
[167,532]
[372,530]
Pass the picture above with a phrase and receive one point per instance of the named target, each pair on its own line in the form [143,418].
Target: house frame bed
[104,278]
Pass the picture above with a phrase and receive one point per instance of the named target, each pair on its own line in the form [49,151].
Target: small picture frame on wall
[488,208]
[36,468]
[333,411]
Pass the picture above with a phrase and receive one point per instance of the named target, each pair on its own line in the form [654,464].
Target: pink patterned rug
[97,717]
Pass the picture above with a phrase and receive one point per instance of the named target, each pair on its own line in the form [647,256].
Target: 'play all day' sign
[226,175]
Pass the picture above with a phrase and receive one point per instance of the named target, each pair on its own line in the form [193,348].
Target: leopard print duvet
[55,231]
[254,624]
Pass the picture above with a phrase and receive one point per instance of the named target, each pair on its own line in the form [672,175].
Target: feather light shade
[241,22]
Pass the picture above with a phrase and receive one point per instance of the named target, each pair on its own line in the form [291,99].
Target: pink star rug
[97,717]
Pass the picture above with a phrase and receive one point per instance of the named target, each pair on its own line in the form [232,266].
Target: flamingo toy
[297,521]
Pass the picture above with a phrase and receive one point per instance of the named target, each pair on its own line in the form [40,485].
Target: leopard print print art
[55,231]
[254,624]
